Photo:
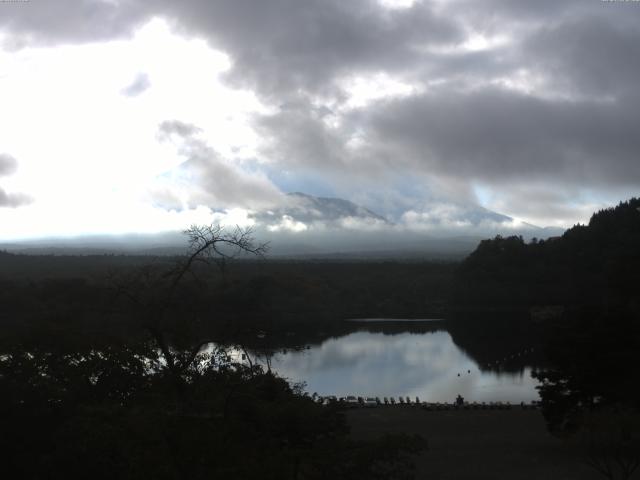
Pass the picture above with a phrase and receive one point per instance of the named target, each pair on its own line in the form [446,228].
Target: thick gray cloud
[277,46]
[68,21]
[497,136]
[492,136]
[591,56]
[296,136]
[284,46]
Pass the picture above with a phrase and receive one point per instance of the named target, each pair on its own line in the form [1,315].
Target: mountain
[308,226]
[308,210]
[301,212]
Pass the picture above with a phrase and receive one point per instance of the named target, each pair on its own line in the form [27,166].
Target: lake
[425,364]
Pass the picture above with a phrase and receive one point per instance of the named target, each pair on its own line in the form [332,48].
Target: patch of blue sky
[289,181]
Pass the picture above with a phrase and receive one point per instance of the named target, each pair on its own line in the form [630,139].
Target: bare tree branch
[152,289]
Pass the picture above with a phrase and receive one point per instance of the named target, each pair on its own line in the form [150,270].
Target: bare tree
[152,290]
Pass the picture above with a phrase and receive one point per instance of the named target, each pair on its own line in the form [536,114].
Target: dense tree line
[594,264]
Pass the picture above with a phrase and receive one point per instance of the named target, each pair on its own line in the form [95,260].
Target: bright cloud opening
[364,90]
[88,152]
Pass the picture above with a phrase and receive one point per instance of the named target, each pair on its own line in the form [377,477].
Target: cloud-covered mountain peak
[330,207]
[301,211]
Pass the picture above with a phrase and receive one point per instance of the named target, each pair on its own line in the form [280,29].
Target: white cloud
[89,155]
[363,90]
[397,4]
[363,224]
[137,86]
[287,224]
[442,217]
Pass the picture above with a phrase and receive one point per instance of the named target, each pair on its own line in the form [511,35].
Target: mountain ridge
[312,226]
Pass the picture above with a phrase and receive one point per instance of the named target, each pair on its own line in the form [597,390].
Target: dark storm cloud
[137,86]
[68,21]
[579,48]
[589,56]
[490,135]
[497,136]
[280,46]
[492,13]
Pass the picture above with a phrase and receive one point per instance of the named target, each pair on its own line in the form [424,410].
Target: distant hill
[597,264]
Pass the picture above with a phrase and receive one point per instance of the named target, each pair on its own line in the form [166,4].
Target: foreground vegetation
[110,379]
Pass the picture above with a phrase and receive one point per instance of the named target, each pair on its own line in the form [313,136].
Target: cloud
[169,128]
[206,178]
[544,204]
[278,47]
[450,216]
[284,46]
[287,223]
[297,212]
[8,164]
[320,224]
[137,86]
[496,136]
[69,21]
[13,200]
[450,95]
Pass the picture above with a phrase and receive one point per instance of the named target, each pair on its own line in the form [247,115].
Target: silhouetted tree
[155,293]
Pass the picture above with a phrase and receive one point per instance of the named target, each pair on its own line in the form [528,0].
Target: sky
[132,116]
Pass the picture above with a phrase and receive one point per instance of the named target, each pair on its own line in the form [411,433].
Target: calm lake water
[408,364]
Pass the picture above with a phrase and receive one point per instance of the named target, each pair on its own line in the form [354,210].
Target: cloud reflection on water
[425,365]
